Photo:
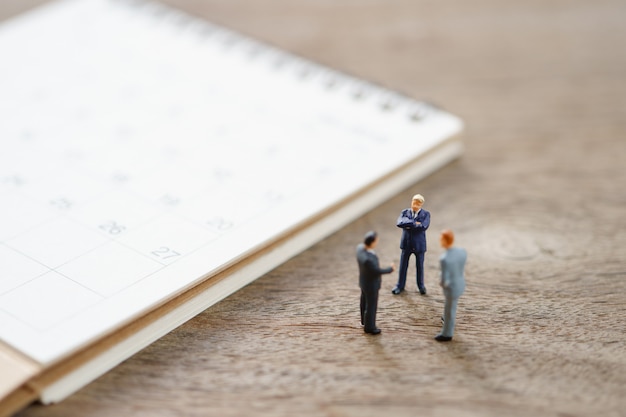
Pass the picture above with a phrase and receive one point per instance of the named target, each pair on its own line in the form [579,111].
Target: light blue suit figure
[452,281]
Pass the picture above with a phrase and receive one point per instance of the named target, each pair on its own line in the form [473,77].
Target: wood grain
[537,200]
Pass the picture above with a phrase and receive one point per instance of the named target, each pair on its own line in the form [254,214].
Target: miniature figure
[369,281]
[413,221]
[452,281]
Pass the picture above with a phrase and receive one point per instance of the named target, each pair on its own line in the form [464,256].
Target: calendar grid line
[20,320]
[32,259]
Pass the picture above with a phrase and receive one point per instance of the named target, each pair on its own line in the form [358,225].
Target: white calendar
[142,150]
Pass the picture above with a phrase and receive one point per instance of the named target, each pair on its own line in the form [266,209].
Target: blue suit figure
[369,280]
[452,281]
[413,221]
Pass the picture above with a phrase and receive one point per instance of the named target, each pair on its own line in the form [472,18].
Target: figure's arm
[423,225]
[388,270]
[405,222]
[445,278]
[372,264]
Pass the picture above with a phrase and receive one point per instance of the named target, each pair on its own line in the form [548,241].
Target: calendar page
[142,149]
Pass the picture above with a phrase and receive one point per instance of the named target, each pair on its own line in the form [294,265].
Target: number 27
[165,253]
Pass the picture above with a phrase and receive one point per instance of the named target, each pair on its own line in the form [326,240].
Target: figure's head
[446,239]
[417,202]
[371,239]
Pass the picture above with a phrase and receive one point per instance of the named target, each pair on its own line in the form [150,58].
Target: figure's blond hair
[419,197]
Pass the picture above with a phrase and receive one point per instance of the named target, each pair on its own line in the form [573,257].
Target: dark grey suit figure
[452,281]
[370,277]
[414,222]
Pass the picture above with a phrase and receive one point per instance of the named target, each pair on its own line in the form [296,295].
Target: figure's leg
[371,304]
[449,315]
[419,266]
[373,307]
[363,305]
[404,265]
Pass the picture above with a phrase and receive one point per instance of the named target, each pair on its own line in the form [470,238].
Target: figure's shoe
[442,338]
[374,331]
[423,291]
[397,290]
[442,320]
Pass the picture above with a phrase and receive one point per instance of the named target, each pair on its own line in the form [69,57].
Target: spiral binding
[280,60]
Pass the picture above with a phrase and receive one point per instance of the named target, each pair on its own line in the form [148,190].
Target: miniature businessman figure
[370,277]
[452,264]
[413,221]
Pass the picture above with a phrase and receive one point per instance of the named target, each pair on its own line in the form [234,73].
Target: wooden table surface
[538,200]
